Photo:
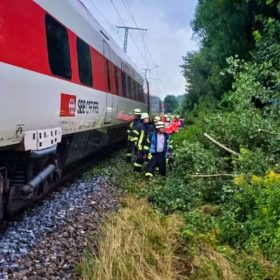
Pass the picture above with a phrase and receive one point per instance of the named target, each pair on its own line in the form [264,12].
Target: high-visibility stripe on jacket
[129,130]
[143,143]
[132,133]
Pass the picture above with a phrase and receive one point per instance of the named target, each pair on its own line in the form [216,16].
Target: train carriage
[66,90]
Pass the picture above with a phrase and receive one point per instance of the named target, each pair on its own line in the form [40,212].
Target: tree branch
[220,145]
[212,175]
[268,132]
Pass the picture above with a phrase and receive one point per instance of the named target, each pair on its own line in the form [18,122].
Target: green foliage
[256,207]
[224,29]
[237,217]
[171,103]
[221,27]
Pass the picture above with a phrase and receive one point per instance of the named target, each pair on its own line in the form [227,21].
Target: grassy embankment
[137,242]
[166,229]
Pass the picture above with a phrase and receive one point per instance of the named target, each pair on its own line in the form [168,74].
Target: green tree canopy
[224,28]
[171,103]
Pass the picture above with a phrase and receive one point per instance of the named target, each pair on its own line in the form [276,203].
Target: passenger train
[67,89]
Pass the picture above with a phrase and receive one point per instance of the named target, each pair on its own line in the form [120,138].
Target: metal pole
[148,86]
[126,29]
[148,95]
[125,40]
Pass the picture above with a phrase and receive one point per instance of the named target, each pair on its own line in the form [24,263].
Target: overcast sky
[169,36]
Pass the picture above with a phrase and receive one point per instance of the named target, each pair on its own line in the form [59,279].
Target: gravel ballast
[49,240]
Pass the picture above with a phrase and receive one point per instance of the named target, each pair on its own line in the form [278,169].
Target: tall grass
[140,243]
[135,243]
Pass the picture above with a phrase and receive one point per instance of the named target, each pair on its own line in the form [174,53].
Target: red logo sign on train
[67,105]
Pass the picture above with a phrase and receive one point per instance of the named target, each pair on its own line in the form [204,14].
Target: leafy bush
[238,205]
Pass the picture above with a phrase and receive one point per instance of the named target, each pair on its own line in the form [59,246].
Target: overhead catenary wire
[130,11]
[146,60]
[147,64]
[95,8]
[132,39]
[127,28]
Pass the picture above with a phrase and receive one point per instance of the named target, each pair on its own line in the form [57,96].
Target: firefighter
[153,124]
[167,121]
[143,143]
[173,126]
[163,118]
[160,150]
[132,134]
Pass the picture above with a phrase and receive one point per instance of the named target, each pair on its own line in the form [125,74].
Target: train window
[124,86]
[84,63]
[138,92]
[141,94]
[58,48]
[108,75]
[129,87]
[117,81]
[134,90]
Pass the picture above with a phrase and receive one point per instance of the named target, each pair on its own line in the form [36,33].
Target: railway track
[47,230]
[69,173]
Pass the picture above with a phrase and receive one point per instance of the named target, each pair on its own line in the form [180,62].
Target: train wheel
[16,202]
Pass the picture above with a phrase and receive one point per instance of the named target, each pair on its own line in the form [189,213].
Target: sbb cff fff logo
[67,105]
[72,106]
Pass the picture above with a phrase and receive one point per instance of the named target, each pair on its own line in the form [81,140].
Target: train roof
[76,16]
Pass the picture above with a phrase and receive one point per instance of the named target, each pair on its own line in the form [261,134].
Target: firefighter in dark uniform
[160,150]
[153,124]
[132,134]
[143,143]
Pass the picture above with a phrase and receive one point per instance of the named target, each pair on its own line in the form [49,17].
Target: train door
[109,96]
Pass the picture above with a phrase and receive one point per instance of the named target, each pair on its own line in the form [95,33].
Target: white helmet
[156,119]
[144,116]
[137,111]
[160,125]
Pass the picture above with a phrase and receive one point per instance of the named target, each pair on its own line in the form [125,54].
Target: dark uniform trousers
[132,138]
[157,160]
[143,147]
[130,150]
[138,165]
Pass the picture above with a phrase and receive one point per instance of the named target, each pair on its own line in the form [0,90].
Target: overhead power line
[126,29]
[149,70]
[95,8]
[127,5]
[133,41]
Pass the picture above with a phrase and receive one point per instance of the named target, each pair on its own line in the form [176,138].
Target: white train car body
[38,100]
[67,89]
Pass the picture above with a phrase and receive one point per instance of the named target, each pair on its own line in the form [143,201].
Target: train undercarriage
[27,176]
